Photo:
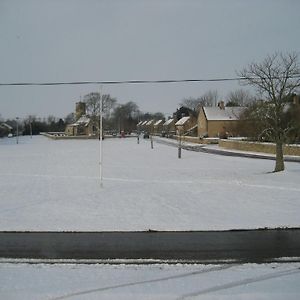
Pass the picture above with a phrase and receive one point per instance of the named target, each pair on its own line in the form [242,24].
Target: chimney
[221,105]
[296,100]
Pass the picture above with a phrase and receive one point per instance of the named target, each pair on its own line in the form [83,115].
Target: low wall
[259,147]
[198,140]
[60,136]
[57,136]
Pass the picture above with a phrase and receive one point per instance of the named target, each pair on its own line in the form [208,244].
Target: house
[143,125]
[84,125]
[185,125]
[186,121]
[5,130]
[158,127]
[169,128]
[139,126]
[149,126]
[219,121]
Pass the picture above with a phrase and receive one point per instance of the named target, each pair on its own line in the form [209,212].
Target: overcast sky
[93,40]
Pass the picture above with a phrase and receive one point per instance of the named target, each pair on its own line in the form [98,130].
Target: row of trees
[238,97]
[34,125]
[116,117]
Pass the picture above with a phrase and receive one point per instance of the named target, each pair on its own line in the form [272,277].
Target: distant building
[84,124]
[158,127]
[185,121]
[149,126]
[5,129]
[186,126]
[169,128]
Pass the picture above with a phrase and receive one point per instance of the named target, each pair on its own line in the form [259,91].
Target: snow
[206,282]
[168,122]
[149,123]
[157,122]
[182,121]
[54,185]
[217,114]
[83,120]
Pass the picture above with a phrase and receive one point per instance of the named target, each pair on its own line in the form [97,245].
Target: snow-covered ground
[54,185]
[205,282]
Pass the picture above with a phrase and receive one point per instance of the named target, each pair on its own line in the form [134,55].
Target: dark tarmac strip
[262,245]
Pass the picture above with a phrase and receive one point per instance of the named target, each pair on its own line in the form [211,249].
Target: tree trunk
[279,157]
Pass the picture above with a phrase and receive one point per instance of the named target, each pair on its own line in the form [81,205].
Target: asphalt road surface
[204,246]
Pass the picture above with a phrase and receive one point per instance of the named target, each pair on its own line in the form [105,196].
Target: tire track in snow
[213,181]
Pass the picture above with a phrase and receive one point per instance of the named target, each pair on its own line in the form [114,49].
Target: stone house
[219,121]
[84,125]
[158,127]
[186,121]
[149,126]
[186,126]
[169,128]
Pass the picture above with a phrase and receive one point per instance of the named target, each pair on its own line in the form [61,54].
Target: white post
[17,130]
[30,126]
[101,137]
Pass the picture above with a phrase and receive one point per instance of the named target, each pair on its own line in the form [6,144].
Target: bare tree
[92,101]
[276,78]
[239,98]
[125,116]
[191,103]
[209,98]
[70,118]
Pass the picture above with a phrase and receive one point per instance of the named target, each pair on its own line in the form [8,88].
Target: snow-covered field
[205,282]
[54,185]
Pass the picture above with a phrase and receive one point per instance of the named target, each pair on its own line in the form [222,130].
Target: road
[203,246]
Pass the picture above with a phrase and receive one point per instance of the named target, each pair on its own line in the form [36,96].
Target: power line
[130,81]
[116,82]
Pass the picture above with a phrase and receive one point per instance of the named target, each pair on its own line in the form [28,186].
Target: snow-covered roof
[217,114]
[83,120]
[158,123]
[6,126]
[182,121]
[144,123]
[140,123]
[168,122]
[150,122]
